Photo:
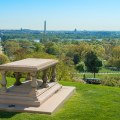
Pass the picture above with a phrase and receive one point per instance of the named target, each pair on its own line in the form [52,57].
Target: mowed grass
[98,75]
[105,70]
[89,102]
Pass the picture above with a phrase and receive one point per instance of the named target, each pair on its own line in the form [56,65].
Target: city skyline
[60,15]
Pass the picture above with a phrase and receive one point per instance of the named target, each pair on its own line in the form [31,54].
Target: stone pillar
[3,82]
[17,76]
[34,83]
[28,77]
[44,78]
[53,78]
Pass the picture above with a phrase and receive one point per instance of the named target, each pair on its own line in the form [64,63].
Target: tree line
[73,55]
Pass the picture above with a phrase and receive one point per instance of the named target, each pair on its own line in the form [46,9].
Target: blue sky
[60,14]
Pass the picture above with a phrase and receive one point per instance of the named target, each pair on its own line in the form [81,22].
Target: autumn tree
[27,46]
[115,59]
[3,59]
[10,48]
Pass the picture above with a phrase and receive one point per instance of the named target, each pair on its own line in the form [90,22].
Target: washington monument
[44,26]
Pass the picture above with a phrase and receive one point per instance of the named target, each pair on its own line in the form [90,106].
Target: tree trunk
[94,74]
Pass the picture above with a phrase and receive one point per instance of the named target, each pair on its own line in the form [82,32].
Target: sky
[60,14]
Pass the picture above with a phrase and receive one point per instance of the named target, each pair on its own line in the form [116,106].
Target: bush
[111,81]
[3,59]
[64,72]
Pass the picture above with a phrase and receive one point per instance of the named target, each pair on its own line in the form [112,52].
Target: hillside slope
[90,102]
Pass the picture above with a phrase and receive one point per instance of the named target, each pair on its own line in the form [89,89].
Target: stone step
[18,102]
[43,90]
[30,100]
[42,94]
[48,107]
[46,95]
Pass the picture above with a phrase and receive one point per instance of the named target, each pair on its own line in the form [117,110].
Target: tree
[10,47]
[76,59]
[92,63]
[51,48]
[38,47]
[20,54]
[3,59]
[80,67]
[27,45]
[115,59]
[116,52]
[99,50]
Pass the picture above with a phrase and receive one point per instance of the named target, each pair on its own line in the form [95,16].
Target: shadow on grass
[4,114]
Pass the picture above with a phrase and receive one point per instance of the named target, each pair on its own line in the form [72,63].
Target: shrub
[3,59]
[64,72]
[111,81]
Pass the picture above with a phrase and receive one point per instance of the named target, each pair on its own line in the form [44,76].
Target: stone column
[44,78]
[3,82]
[17,76]
[34,83]
[53,78]
[28,77]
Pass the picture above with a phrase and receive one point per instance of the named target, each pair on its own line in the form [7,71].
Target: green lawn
[98,75]
[105,70]
[90,102]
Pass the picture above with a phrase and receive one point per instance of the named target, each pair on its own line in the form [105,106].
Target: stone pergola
[32,95]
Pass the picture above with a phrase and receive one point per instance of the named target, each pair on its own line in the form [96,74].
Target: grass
[90,102]
[105,70]
[97,75]
[102,74]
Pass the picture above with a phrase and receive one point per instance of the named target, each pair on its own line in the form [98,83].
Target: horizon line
[59,30]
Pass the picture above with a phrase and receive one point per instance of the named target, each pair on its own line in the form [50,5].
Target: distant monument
[75,30]
[45,27]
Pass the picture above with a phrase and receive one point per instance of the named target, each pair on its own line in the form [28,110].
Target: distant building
[36,40]
[45,26]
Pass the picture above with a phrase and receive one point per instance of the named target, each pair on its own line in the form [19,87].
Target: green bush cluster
[111,81]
